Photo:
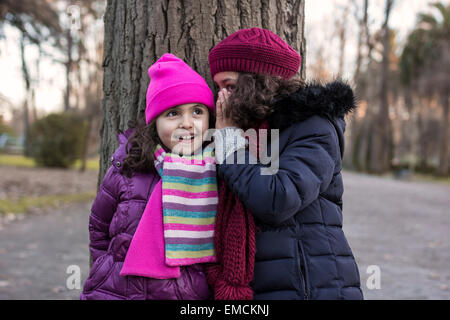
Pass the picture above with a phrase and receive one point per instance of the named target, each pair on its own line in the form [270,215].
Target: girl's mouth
[186,139]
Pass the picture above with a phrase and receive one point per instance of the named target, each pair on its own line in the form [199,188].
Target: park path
[35,253]
[400,227]
[403,228]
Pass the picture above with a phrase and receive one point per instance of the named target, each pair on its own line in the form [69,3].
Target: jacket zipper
[302,271]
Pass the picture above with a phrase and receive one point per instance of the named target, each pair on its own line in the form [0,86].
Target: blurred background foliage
[402,85]
[57,139]
[67,34]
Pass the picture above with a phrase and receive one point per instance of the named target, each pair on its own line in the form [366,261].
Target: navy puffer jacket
[301,249]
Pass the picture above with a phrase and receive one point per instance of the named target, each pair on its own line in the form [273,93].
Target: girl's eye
[231,87]
[171,113]
[198,111]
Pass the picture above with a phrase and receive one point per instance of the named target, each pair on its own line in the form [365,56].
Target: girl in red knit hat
[278,236]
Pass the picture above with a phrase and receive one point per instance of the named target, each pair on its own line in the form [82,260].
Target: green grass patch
[430,178]
[23,205]
[91,164]
[22,161]
[16,160]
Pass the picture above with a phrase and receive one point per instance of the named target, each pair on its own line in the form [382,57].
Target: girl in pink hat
[152,222]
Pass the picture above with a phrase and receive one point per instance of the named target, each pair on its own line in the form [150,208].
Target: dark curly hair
[141,146]
[251,99]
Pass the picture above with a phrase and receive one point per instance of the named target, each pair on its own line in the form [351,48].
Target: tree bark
[137,33]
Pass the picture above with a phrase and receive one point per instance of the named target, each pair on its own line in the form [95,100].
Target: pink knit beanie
[172,83]
[254,50]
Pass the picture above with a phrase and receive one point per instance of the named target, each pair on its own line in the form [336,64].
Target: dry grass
[22,161]
[24,189]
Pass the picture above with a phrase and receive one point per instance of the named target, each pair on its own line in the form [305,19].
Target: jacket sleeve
[102,212]
[306,167]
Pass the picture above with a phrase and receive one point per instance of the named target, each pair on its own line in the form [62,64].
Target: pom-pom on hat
[254,50]
[173,83]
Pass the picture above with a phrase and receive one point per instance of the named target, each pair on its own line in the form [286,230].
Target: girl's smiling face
[181,128]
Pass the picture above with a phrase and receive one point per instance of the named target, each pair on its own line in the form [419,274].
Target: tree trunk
[414,128]
[84,152]
[26,114]
[351,154]
[422,157]
[341,26]
[443,150]
[361,41]
[381,144]
[365,137]
[137,33]
[68,66]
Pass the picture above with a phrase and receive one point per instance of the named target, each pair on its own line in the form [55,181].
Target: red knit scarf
[234,240]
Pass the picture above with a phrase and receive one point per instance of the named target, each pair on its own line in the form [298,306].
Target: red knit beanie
[254,50]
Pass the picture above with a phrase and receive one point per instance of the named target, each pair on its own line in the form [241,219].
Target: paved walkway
[403,228]
[35,253]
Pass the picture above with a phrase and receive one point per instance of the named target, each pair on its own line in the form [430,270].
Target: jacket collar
[333,101]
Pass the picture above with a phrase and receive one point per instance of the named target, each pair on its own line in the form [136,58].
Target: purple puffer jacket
[115,215]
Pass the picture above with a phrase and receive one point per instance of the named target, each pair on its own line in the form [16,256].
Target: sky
[319,27]
[49,94]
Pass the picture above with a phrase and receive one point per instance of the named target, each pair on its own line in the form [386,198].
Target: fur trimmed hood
[332,100]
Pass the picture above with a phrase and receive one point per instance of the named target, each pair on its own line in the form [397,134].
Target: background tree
[84,69]
[37,22]
[381,152]
[351,157]
[137,33]
[425,70]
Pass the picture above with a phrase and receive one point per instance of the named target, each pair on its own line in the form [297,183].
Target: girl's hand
[221,105]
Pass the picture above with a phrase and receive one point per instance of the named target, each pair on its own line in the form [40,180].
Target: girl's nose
[187,121]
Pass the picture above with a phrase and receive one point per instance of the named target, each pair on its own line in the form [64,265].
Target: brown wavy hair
[140,147]
[251,99]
